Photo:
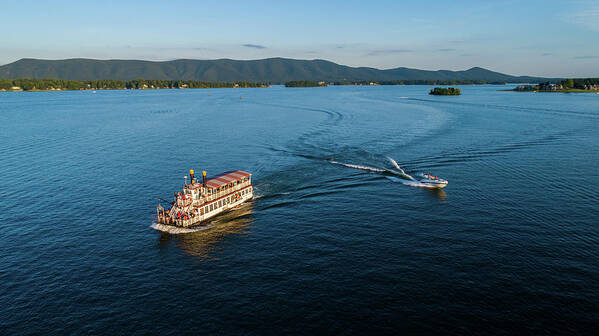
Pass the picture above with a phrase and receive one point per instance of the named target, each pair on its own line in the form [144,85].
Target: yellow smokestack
[204,178]
[191,175]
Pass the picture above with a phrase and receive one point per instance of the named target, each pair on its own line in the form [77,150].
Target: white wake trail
[398,172]
[401,175]
[399,168]
[178,230]
[349,165]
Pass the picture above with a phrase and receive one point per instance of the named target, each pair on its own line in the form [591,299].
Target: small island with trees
[565,85]
[305,84]
[439,91]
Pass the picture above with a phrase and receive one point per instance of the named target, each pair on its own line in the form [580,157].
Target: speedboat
[430,181]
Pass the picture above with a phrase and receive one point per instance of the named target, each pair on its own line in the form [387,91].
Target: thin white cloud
[255,46]
[588,17]
[388,51]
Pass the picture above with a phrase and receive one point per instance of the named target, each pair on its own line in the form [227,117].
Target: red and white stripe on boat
[227,178]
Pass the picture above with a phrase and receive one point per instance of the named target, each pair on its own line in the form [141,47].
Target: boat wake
[399,175]
[349,165]
[397,171]
[399,168]
[178,230]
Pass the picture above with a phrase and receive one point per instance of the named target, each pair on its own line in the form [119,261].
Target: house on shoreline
[550,87]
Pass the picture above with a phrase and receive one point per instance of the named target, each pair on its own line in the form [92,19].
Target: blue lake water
[511,244]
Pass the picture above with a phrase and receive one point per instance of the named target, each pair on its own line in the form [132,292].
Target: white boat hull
[433,185]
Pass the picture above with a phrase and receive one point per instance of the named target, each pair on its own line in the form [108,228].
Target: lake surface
[511,244]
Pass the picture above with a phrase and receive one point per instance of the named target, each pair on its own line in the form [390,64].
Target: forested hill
[274,70]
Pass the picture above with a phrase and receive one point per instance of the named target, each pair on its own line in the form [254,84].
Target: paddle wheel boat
[198,202]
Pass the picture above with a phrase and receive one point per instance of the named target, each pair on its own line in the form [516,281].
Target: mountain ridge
[273,70]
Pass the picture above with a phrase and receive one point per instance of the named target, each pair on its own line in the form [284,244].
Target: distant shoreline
[557,91]
[253,85]
[123,89]
[569,85]
[50,84]
[305,84]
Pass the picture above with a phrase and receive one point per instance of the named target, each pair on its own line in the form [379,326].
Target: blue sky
[543,38]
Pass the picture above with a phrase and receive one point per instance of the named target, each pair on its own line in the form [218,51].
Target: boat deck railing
[225,192]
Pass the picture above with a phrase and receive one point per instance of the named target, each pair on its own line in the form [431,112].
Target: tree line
[579,83]
[417,82]
[392,82]
[304,83]
[29,84]
[568,84]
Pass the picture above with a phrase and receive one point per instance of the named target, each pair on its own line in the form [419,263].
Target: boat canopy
[226,178]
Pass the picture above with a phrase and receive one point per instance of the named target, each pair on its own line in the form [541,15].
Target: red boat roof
[226,178]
